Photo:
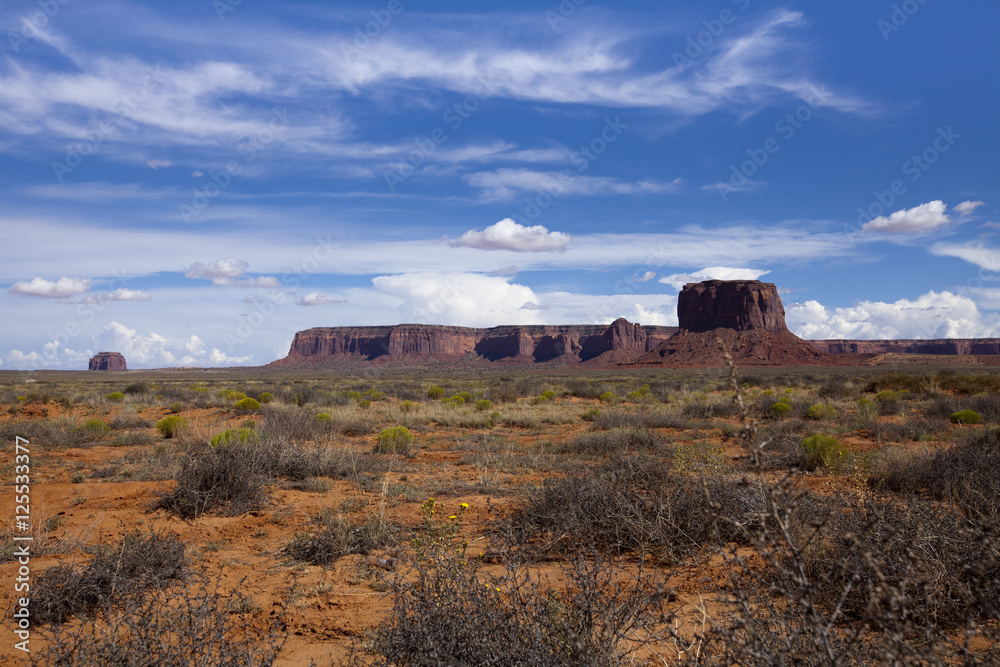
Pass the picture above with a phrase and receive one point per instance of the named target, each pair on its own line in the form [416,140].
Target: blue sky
[190,183]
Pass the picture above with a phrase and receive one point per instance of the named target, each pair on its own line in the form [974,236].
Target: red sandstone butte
[743,305]
[108,361]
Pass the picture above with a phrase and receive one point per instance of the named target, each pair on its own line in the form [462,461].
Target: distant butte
[108,361]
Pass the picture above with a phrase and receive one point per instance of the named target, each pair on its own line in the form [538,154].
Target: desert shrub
[176,407]
[822,451]
[228,480]
[633,504]
[608,397]
[453,401]
[645,419]
[116,397]
[357,424]
[94,429]
[453,612]
[641,393]
[435,393]
[409,406]
[282,423]
[198,622]
[964,474]
[821,411]
[866,413]
[232,436]
[590,415]
[987,405]
[171,425]
[341,536]
[780,410]
[140,561]
[465,396]
[394,440]
[324,420]
[546,396]
[613,442]
[300,398]
[837,387]
[483,405]
[265,397]
[246,406]
[966,417]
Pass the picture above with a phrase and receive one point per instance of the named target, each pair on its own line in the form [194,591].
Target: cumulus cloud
[152,350]
[229,272]
[509,235]
[644,278]
[917,220]
[465,299]
[47,289]
[931,315]
[117,295]
[318,299]
[967,207]
[678,280]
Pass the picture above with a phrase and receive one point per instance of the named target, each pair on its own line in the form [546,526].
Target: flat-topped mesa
[743,305]
[108,361]
[419,343]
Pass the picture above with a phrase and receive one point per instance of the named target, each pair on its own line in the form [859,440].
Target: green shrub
[228,394]
[324,419]
[590,415]
[822,451]
[453,401]
[95,429]
[465,395]
[171,425]
[966,417]
[234,435]
[780,410]
[116,397]
[175,407]
[265,397]
[821,411]
[484,404]
[373,395]
[249,423]
[408,406]
[640,393]
[493,420]
[435,393]
[394,440]
[247,406]
[301,399]
[608,397]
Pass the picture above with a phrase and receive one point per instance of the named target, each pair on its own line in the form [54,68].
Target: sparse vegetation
[171,425]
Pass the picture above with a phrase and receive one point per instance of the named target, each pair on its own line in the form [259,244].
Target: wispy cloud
[508,183]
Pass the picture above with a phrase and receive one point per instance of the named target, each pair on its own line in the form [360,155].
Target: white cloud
[534,306]
[644,278]
[974,253]
[228,272]
[967,207]
[465,299]
[508,183]
[153,350]
[317,299]
[931,315]
[678,280]
[917,220]
[47,289]
[157,164]
[117,295]
[509,235]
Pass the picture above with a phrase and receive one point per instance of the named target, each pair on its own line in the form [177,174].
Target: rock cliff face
[596,344]
[108,361]
[945,346]
[743,305]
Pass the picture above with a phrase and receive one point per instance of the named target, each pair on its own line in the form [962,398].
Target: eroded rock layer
[108,361]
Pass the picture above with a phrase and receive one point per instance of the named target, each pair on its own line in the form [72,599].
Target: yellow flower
[464,506]
[453,516]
